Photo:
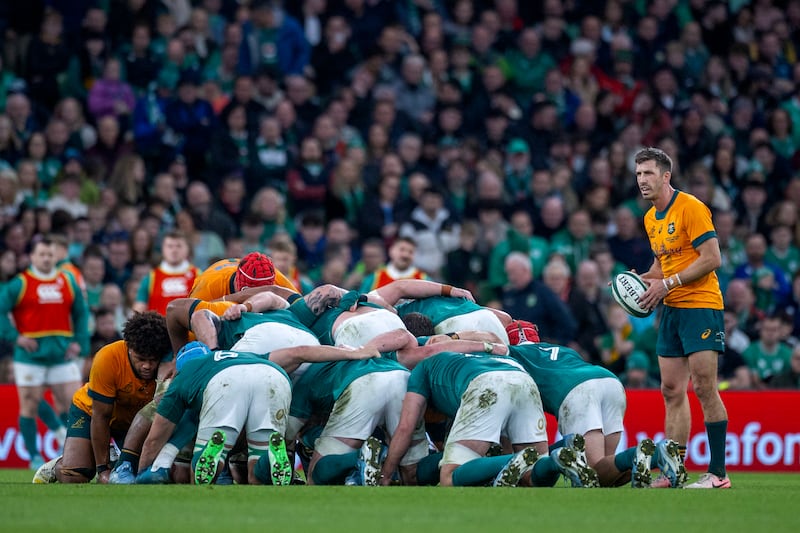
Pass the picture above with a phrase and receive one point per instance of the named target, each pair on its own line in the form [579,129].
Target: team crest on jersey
[49,293]
[671,228]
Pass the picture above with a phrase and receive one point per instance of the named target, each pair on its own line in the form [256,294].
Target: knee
[673,391]
[705,390]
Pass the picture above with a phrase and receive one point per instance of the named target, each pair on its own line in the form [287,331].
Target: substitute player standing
[692,334]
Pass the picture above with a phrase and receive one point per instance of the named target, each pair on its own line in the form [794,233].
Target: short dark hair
[405,239]
[146,334]
[419,325]
[663,161]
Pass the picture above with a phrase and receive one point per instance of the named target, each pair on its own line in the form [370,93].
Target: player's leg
[355,415]
[703,367]
[266,424]
[54,422]
[463,463]
[674,384]
[77,463]
[485,407]
[222,417]
[64,379]
[30,380]
[395,389]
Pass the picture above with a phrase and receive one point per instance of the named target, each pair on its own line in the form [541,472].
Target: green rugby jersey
[556,370]
[189,385]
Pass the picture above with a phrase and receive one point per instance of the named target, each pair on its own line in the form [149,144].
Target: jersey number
[553,352]
[223,354]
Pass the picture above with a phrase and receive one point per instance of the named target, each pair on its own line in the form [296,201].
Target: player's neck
[664,198]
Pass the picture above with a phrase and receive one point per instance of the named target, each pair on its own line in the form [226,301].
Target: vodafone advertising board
[763,430]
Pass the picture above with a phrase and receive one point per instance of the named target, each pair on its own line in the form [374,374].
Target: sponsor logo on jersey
[174,287]
[49,293]
[706,334]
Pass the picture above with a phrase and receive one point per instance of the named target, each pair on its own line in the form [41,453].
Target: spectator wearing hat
[637,372]
[518,170]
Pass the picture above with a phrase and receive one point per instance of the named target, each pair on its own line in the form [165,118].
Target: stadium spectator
[525,298]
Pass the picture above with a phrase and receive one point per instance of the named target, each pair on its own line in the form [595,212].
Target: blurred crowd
[483,130]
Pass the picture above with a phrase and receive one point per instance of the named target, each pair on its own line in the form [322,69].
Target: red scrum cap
[521,331]
[255,270]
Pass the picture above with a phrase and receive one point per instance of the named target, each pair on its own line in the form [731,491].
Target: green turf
[758,503]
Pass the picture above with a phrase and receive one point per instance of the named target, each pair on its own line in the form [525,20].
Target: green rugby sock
[27,426]
[717,433]
[479,471]
[428,469]
[46,413]
[332,469]
[545,472]
[556,445]
[624,459]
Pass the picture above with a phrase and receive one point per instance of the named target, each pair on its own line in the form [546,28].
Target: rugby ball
[627,288]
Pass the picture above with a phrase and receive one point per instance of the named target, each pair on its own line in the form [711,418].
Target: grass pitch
[757,503]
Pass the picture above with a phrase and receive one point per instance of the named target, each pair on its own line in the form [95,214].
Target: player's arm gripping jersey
[675,234]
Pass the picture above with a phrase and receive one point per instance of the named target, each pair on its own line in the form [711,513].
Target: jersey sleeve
[417,381]
[699,226]
[172,405]
[9,294]
[143,294]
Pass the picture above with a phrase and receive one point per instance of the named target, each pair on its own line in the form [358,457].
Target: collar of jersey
[661,214]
